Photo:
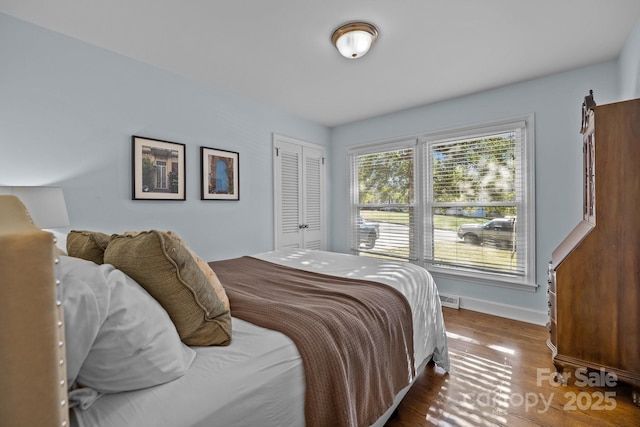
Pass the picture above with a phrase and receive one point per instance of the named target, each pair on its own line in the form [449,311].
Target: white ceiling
[279,52]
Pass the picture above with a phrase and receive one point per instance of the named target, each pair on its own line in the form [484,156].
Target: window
[459,202]
[383,200]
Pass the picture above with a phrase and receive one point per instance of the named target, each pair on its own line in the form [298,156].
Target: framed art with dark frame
[158,169]
[220,174]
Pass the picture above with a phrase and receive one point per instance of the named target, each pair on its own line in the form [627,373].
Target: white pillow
[118,337]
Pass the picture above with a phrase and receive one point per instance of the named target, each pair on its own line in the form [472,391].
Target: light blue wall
[67,113]
[630,65]
[556,103]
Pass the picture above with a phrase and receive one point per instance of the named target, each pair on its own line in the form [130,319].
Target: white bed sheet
[258,380]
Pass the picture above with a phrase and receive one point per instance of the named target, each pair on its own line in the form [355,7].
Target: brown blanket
[355,337]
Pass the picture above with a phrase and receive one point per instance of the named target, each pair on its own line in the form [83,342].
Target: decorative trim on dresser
[594,274]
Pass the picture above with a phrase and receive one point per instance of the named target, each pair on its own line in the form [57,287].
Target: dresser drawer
[553,334]
[551,277]
[552,306]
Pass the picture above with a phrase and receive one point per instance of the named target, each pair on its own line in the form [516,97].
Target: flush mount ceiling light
[354,39]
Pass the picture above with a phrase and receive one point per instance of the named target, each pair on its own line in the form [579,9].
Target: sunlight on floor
[472,341]
[500,377]
[477,391]
[461,338]
[502,349]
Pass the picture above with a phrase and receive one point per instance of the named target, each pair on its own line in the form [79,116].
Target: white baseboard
[503,310]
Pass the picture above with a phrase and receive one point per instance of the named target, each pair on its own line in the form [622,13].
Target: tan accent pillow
[89,245]
[165,267]
[206,269]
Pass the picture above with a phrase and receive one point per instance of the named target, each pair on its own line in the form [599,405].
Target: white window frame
[365,149]
[528,280]
[423,227]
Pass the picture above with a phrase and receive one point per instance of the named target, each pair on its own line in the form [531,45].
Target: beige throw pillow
[163,265]
[206,269]
[88,245]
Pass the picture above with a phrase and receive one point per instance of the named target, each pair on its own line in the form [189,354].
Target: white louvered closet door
[299,194]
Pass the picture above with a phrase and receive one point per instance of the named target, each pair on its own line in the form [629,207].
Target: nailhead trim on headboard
[64,422]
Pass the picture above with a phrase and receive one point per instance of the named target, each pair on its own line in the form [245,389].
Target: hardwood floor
[502,375]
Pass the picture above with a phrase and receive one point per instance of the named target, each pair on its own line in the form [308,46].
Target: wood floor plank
[502,375]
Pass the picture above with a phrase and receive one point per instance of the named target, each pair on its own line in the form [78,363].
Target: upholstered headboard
[32,350]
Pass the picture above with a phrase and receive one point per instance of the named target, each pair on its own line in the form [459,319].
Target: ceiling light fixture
[354,39]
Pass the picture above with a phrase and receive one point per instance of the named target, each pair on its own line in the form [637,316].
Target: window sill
[502,281]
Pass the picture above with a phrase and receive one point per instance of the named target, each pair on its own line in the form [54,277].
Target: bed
[255,376]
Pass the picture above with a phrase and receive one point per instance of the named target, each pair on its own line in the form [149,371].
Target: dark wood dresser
[594,274]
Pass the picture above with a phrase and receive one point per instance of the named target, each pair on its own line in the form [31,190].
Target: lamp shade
[45,205]
[354,39]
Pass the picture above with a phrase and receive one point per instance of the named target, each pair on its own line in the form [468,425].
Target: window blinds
[383,195]
[475,188]
[458,202]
